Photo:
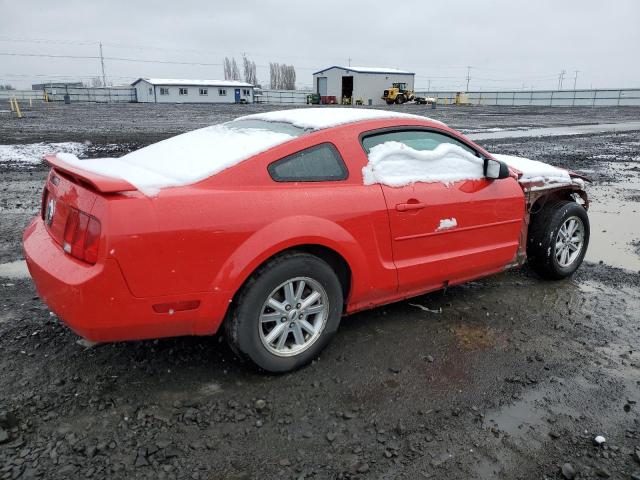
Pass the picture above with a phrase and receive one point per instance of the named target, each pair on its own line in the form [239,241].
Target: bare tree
[231,70]
[235,71]
[7,87]
[283,77]
[250,75]
[96,82]
[227,68]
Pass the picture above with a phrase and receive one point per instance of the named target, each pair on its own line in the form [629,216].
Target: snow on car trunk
[534,171]
[183,159]
[395,164]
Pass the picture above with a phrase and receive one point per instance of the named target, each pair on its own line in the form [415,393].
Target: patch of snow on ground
[447,223]
[535,171]
[319,118]
[17,269]
[183,159]
[32,153]
[396,164]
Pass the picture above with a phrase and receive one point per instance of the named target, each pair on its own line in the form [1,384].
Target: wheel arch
[316,236]
[542,197]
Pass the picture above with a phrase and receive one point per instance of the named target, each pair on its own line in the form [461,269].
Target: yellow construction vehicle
[398,93]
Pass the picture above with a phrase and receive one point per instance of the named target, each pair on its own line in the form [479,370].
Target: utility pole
[349,61]
[468,77]
[429,85]
[104,82]
[575,79]
[561,78]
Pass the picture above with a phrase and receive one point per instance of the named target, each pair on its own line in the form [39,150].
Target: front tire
[558,239]
[286,313]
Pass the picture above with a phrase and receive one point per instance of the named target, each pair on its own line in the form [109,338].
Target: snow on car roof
[187,81]
[320,118]
[193,156]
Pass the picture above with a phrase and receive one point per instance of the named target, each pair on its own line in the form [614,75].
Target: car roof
[320,118]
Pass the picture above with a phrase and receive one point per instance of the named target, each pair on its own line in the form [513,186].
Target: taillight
[81,236]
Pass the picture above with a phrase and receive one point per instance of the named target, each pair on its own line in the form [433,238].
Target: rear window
[321,163]
[277,127]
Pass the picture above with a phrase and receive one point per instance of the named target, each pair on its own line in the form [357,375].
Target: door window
[416,139]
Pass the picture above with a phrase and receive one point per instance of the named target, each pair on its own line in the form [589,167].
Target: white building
[167,90]
[359,83]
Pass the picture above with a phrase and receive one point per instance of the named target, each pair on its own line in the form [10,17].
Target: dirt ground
[509,377]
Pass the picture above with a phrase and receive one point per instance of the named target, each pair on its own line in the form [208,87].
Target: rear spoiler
[100,183]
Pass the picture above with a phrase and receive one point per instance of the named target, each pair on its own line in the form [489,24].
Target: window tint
[315,164]
[416,139]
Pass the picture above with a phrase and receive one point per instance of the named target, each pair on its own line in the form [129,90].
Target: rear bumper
[95,300]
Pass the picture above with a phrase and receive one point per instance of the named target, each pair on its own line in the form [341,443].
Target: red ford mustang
[275,225]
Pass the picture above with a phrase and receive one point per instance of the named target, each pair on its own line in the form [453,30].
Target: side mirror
[495,170]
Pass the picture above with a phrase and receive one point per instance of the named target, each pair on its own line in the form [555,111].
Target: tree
[231,70]
[250,75]
[282,77]
[96,82]
[7,87]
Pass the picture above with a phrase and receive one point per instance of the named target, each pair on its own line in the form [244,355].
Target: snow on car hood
[183,159]
[320,118]
[534,171]
[396,164]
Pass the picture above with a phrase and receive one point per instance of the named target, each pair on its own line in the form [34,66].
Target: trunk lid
[91,180]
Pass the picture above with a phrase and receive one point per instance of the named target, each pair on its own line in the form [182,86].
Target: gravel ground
[513,379]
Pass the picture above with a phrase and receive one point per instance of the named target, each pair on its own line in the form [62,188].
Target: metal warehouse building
[167,90]
[359,83]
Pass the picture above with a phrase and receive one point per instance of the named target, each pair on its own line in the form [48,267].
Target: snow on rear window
[183,159]
[319,118]
[535,171]
[396,165]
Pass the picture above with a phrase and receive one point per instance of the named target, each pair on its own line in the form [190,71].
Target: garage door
[322,86]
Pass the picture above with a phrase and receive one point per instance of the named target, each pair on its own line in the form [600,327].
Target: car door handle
[405,207]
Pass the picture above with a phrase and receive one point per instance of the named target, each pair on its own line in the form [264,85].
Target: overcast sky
[508,43]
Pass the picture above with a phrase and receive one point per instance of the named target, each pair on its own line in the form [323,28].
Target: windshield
[276,127]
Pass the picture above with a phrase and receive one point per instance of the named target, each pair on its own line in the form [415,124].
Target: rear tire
[389,102]
[286,313]
[558,239]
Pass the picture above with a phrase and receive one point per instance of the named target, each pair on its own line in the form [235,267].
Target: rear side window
[416,139]
[321,163]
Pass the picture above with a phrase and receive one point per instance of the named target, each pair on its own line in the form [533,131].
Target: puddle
[557,131]
[615,220]
[17,269]
[530,418]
